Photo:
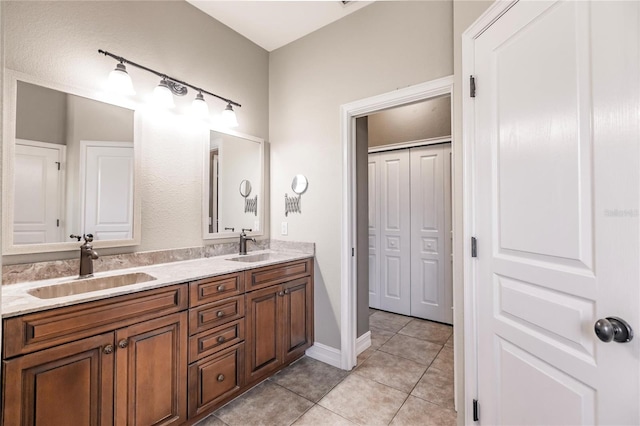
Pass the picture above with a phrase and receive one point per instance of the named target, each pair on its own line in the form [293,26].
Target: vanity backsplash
[12,274]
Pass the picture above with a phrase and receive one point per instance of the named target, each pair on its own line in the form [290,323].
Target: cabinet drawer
[41,330]
[215,379]
[216,288]
[214,314]
[214,340]
[276,274]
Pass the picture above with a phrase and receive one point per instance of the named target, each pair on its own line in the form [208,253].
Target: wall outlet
[285,228]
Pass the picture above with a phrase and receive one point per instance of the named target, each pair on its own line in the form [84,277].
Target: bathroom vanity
[169,350]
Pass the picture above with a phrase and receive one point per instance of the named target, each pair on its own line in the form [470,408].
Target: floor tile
[416,411]
[364,401]
[320,416]
[417,350]
[449,342]
[388,321]
[391,370]
[427,330]
[364,355]
[372,311]
[435,386]
[379,337]
[444,361]
[266,404]
[310,378]
[211,421]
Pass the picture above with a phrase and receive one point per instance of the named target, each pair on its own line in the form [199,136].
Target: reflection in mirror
[245,188]
[299,184]
[73,168]
[232,161]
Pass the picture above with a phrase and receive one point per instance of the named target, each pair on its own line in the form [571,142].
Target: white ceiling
[272,24]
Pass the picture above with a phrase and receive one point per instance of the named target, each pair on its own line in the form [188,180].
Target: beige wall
[58,42]
[41,114]
[423,120]
[377,49]
[464,14]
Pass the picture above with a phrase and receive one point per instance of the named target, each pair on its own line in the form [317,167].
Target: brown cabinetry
[279,317]
[134,374]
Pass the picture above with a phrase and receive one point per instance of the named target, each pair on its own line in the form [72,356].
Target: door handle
[613,328]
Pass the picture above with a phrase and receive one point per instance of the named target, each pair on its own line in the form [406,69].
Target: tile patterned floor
[404,379]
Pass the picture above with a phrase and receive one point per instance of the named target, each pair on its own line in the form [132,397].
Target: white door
[557,161]
[107,176]
[394,239]
[374,235]
[38,191]
[430,293]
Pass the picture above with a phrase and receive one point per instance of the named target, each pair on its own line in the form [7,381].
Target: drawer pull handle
[220,288]
[108,349]
[221,339]
[123,343]
[221,377]
[220,314]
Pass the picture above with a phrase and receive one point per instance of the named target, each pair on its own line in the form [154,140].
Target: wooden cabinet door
[151,372]
[297,318]
[70,384]
[264,332]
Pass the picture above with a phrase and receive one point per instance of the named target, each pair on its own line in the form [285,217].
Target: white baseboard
[363,342]
[326,354]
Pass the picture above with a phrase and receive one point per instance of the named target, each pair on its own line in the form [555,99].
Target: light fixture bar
[164,76]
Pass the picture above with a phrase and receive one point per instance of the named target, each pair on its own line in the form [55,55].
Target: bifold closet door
[389,232]
[431,233]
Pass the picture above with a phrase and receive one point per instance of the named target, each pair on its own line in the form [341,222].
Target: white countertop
[17,301]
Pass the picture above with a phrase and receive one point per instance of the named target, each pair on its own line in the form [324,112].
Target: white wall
[379,48]
[58,41]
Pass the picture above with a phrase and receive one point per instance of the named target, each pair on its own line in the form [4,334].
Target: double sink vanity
[156,345]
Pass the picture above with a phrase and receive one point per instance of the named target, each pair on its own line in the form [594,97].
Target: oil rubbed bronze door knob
[108,349]
[221,339]
[613,328]
[221,377]
[220,314]
[123,343]
[220,288]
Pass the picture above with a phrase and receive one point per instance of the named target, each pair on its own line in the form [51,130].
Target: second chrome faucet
[244,239]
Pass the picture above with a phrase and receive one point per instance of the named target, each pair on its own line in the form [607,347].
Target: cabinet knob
[221,339]
[281,293]
[123,343]
[108,349]
[221,288]
[286,291]
[220,314]
[221,377]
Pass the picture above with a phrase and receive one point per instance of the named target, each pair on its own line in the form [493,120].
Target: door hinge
[353,251]
[474,247]
[476,410]
[472,86]
[58,164]
[58,223]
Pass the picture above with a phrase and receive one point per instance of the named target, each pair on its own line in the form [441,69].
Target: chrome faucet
[244,239]
[87,256]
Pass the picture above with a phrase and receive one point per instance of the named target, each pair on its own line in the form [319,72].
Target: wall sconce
[120,82]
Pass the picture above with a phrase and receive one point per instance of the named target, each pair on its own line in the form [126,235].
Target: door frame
[348,273]
[475,30]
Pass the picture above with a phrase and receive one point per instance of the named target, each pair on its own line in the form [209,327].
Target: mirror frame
[11,79]
[206,167]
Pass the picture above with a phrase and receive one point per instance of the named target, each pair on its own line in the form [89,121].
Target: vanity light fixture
[168,87]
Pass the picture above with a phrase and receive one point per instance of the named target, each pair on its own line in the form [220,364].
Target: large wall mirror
[69,167]
[233,187]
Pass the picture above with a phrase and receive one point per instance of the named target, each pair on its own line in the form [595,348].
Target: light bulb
[120,81]
[199,107]
[229,118]
[162,95]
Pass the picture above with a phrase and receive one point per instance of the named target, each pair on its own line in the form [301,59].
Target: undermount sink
[88,285]
[257,257]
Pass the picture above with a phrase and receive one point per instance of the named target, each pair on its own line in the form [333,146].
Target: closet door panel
[428,233]
[395,244]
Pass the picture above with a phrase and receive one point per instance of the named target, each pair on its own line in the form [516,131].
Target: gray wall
[362,212]
[423,120]
[377,49]
[58,41]
[41,114]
